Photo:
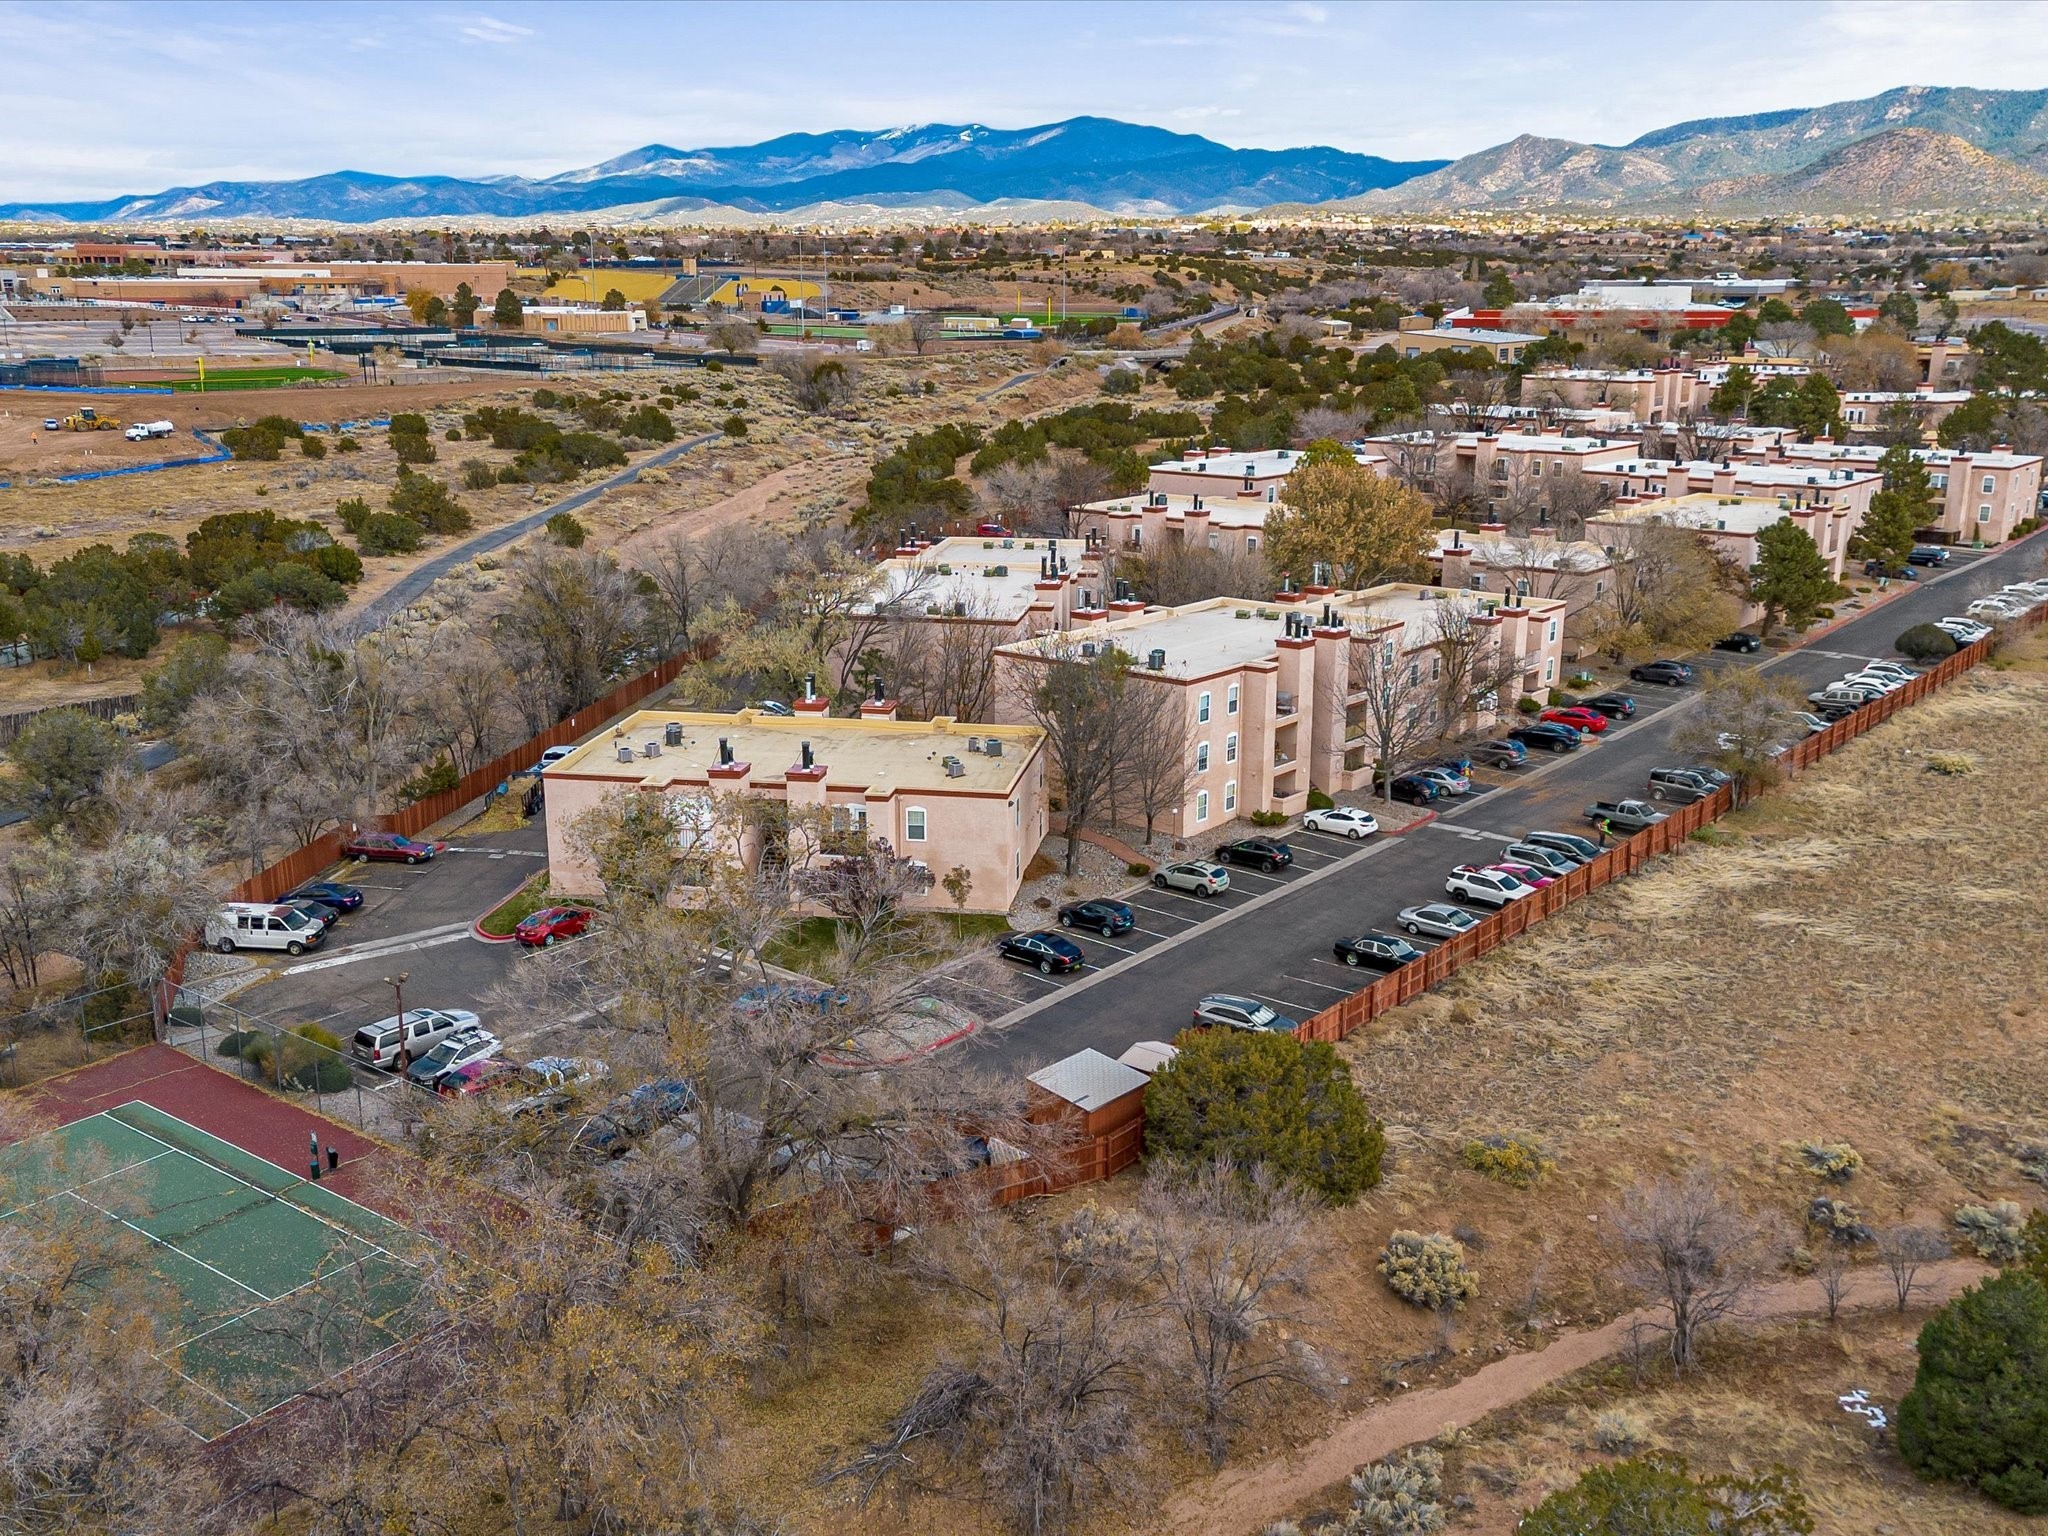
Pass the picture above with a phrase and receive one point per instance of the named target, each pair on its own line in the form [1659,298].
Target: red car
[474,1077]
[1528,874]
[1585,719]
[993,531]
[552,923]
[390,848]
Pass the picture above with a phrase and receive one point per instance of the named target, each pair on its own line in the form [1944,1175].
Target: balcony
[1282,760]
[1283,704]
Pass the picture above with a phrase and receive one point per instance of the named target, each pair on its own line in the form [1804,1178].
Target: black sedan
[1259,852]
[1672,674]
[1048,951]
[1615,706]
[1415,790]
[1381,951]
[1543,736]
[330,893]
[1742,642]
[1109,918]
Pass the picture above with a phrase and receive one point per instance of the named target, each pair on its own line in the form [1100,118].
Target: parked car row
[2010,601]
[1861,687]
[295,923]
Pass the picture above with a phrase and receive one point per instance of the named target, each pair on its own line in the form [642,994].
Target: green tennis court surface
[266,1284]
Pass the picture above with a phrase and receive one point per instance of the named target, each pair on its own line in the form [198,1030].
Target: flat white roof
[1704,511]
[965,571]
[1223,511]
[1538,554]
[1745,473]
[1870,453]
[1489,338]
[1223,461]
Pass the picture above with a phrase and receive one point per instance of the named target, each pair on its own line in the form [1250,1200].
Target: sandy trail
[1244,1500]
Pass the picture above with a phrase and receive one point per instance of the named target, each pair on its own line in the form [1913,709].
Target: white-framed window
[1230,695]
[1201,805]
[1201,757]
[1202,708]
[1984,513]
[1536,469]
[1553,631]
[1477,583]
[1436,667]
[1549,671]
[1414,672]
[1251,543]
[1230,748]
[1989,485]
[914,824]
[1137,536]
[1521,586]
[1215,539]
[1599,586]
[1939,482]
[1230,797]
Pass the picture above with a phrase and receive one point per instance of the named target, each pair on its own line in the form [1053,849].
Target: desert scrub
[1836,1221]
[1618,1432]
[1429,1270]
[1996,1231]
[1833,1160]
[1512,1160]
[2033,1161]
[1951,764]
[1401,1496]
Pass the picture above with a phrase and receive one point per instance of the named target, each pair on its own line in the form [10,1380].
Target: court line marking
[168,1245]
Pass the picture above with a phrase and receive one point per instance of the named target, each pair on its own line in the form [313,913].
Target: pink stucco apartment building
[1982,495]
[1730,525]
[948,794]
[1271,693]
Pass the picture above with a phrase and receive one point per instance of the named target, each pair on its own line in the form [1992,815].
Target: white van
[259,925]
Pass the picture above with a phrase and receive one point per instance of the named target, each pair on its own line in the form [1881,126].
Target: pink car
[1528,874]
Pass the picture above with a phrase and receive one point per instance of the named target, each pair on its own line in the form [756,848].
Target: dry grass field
[1854,958]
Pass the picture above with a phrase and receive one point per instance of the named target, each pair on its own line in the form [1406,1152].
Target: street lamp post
[397,985]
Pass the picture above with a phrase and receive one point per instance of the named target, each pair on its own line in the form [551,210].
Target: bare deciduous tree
[1154,772]
[1078,701]
[1744,721]
[1696,1253]
[1905,1251]
[1667,591]
[572,619]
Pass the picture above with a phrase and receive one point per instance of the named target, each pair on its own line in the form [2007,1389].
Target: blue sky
[109,98]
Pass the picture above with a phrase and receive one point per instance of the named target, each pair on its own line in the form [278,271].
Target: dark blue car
[1106,917]
[759,1000]
[330,893]
[1046,950]
[633,1116]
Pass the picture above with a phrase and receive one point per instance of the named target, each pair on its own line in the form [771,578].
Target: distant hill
[1114,166]
[1918,149]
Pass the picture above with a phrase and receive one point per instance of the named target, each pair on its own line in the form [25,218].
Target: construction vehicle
[143,431]
[89,420]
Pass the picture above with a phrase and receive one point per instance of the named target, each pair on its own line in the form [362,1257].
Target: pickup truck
[1624,815]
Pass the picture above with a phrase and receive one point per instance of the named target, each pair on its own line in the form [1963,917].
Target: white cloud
[1315,14]
[489,29]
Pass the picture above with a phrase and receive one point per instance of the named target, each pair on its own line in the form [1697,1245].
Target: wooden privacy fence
[11,726]
[302,864]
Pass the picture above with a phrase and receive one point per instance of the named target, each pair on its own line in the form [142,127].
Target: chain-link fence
[85,1027]
[304,1063]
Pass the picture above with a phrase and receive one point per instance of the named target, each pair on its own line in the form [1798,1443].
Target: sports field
[267,1283]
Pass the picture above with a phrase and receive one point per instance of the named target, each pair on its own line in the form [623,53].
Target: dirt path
[768,500]
[1244,1500]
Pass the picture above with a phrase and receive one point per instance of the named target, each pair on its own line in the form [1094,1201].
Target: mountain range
[1915,150]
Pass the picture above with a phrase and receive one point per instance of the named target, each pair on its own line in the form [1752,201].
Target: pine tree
[1978,1411]
[1896,512]
[1790,577]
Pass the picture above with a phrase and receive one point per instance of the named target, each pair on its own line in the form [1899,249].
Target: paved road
[1275,943]
[387,605]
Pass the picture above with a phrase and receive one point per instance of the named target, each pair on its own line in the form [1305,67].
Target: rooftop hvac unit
[673,734]
[1156,661]
[974,743]
[625,751]
[652,749]
[995,746]
[955,768]
[1087,647]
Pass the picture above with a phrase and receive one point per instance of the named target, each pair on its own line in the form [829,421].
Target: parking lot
[1278,947]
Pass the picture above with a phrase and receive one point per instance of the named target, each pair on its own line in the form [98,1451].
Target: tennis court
[267,1282]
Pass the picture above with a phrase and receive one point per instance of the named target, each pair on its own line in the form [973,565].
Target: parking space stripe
[1165,912]
[1246,874]
[1340,991]
[1278,1002]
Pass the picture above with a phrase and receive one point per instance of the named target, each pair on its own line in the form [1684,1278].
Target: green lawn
[522,904]
[251,378]
[809,946]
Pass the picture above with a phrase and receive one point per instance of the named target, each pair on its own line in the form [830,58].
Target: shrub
[1835,1160]
[437,778]
[2033,1161]
[313,447]
[566,531]
[1996,1231]
[1122,381]
[1318,801]
[477,475]
[353,513]
[1429,1270]
[1265,1098]
[453,434]
[1978,1410]
[1400,1496]
[428,503]
[1924,642]
[1951,765]
[734,425]
[414,450]
[1137,867]
[589,450]
[290,583]
[1510,1159]
[322,1074]
[1836,1221]
[650,424]
[1528,706]
[1268,819]
[346,444]
[1655,1496]
[337,564]
[386,533]
[1618,1432]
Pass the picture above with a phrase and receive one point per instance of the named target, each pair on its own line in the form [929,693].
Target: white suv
[1488,887]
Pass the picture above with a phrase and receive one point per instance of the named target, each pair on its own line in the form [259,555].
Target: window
[1521,586]
[1989,483]
[1201,805]
[1251,543]
[913,825]
[1202,708]
[1201,757]
[1599,586]
[1230,748]
[1984,513]
[1250,486]
[1939,482]
[1137,537]
[1436,668]
[1536,469]
[1215,541]
[1553,631]
[1230,797]
[1549,671]
[1478,583]
[1230,700]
